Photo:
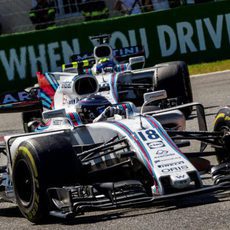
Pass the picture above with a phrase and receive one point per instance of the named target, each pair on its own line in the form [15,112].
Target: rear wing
[20,101]
[121,55]
[82,63]
[39,97]
[79,67]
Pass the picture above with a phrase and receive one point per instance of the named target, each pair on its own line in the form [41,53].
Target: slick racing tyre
[222,123]
[31,116]
[40,163]
[174,78]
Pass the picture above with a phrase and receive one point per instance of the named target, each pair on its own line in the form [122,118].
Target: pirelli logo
[171,164]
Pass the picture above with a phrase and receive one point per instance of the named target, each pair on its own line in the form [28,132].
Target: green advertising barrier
[196,33]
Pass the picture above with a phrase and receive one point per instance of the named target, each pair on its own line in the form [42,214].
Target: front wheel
[222,124]
[40,163]
[30,197]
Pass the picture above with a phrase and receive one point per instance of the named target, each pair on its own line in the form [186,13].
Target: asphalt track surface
[199,212]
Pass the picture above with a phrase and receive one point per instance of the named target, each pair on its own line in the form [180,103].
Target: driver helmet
[105,63]
[91,107]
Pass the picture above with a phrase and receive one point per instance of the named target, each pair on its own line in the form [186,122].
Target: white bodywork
[146,137]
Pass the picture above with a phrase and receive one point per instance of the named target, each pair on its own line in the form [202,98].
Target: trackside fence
[196,33]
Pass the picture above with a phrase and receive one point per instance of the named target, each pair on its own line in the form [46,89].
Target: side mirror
[154,96]
[136,62]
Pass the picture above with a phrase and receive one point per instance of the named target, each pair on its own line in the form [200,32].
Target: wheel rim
[225,129]
[223,156]
[24,183]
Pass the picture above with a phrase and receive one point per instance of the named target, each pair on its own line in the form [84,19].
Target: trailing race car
[117,81]
[128,81]
[120,161]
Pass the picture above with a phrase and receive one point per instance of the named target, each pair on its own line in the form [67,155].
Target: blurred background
[14,14]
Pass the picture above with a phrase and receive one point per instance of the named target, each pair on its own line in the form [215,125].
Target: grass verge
[209,67]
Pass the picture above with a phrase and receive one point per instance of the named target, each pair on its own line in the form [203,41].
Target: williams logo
[161,152]
[155,144]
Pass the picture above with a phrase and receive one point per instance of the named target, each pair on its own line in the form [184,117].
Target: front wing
[72,201]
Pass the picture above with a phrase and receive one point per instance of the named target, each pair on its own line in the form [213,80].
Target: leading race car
[84,159]
[125,160]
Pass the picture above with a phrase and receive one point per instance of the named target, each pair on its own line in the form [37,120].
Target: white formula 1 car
[126,160]
[79,160]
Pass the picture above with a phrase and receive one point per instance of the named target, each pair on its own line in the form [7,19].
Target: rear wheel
[222,124]
[174,78]
[41,163]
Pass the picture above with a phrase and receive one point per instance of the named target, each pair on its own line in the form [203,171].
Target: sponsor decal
[174,169]
[72,102]
[166,159]
[155,144]
[15,97]
[57,122]
[180,176]
[161,152]
[54,113]
[132,50]
[170,164]
[66,85]
[165,156]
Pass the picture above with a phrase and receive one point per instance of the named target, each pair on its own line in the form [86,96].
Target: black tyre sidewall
[54,161]
[37,209]
[174,78]
[222,120]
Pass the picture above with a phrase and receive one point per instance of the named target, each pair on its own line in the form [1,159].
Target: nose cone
[180,180]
